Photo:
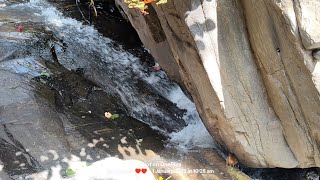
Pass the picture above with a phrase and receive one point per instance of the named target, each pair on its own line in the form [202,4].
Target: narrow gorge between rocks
[62,70]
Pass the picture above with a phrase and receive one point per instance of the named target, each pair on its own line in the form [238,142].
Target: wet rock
[85,121]
[29,128]
[35,137]
[41,124]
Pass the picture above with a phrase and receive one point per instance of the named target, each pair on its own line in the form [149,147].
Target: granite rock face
[289,74]
[248,68]
[308,18]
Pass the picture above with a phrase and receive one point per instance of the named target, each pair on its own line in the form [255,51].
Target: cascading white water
[120,71]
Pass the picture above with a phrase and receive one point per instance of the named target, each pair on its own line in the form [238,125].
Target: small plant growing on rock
[69,173]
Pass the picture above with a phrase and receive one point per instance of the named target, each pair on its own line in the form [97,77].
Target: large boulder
[308,19]
[288,71]
[245,66]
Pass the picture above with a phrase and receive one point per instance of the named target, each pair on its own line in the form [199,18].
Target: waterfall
[125,76]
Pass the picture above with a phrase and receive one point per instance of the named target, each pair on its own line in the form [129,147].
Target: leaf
[111,116]
[114,116]
[70,172]
[161,2]
[140,5]
[148,1]
[44,73]
[107,115]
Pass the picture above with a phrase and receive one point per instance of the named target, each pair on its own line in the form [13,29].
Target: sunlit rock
[251,77]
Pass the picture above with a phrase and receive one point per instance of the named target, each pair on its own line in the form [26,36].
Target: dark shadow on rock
[200,45]
[282,174]
[201,28]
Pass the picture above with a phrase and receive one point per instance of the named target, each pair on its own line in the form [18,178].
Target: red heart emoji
[143,170]
[137,170]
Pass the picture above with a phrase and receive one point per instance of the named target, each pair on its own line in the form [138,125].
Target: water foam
[195,134]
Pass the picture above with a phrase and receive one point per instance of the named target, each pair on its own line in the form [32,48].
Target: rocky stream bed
[59,76]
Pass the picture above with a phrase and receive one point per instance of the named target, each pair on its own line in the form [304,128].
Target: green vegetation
[45,74]
[69,173]
[114,116]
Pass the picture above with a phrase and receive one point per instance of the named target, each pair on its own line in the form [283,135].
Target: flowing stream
[117,71]
[147,95]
